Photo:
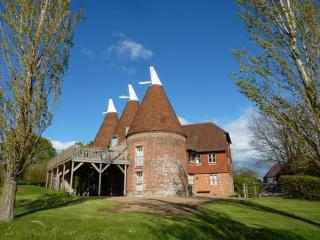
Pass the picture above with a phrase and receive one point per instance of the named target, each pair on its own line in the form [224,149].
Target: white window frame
[212,158]
[213,179]
[139,156]
[139,178]
[190,179]
[197,158]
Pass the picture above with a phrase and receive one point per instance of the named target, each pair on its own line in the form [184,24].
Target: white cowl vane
[132,94]
[154,77]
[111,107]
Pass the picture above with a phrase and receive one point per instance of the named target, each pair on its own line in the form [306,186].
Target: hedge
[300,187]
[251,182]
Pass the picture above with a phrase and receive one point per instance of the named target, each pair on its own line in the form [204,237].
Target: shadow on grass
[203,223]
[209,224]
[45,202]
[258,207]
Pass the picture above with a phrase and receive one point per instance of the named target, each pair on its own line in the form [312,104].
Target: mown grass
[43,214]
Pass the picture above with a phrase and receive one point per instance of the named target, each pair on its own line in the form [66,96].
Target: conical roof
[127,117]
[155,113]
[107,127]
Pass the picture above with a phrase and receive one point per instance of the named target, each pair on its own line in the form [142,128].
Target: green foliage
[245,172]
[36,172]
[251,182]
[300,187]
[281,76]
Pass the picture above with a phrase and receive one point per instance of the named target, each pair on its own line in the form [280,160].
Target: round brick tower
[107,128]
[156,147]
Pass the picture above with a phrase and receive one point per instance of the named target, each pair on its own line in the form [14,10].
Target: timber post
[125,181]
[57,180]
[99,188]
[63,173]
[47,179]
[71,177]
[51,179]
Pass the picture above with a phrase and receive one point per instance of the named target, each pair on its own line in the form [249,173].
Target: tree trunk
[8,199]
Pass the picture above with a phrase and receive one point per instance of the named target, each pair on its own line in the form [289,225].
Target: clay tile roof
[155,114]
[206,137]
[274,170]
[127,117]
[106,130]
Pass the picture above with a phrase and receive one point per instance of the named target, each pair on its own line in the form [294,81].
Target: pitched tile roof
[106,130]
[127,117]
[206,137]
[273,171]
[155,113]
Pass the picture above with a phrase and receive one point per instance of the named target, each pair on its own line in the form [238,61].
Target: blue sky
[188,42]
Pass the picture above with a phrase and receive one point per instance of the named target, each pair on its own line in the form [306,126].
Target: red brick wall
[164,154]
[222,164]
[202,185]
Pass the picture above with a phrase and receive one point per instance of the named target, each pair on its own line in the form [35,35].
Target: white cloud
[243,153]
[59,146]
[89,53]
[127,48]
[183,121]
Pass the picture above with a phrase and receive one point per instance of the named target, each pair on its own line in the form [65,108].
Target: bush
[35,174]
[254,185]
[300,187]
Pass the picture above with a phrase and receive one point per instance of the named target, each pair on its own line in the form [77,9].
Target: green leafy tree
[282,77]
[35,41]
[245,172]
[36,172]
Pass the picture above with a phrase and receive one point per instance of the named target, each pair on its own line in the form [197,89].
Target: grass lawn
[43,214]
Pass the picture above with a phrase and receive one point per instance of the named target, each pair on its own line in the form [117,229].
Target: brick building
[147,153]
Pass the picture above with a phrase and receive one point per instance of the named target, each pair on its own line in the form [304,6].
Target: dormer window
[114,140]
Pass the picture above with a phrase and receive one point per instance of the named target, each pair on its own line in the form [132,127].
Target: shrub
[252,183]
[34,175]
[300,187]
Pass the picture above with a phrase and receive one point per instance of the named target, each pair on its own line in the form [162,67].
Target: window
[114,140]
[139,181]
[212,158]
[139,178]
[213,180]
[190,179]
[197,158]
[139,156]
[191,158]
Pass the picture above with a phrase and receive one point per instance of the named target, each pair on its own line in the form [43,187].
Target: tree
[245,172]
[276,143]
[282,77]
[36,172]
[35,41]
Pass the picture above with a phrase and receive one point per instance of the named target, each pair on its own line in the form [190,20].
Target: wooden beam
[51,179]
[67,171]
[57,179]
[99,170]
[76,168]
[63,174]
[95,167]
[120,168]
[105,168]
[47,179]
[125,181]
[71,177]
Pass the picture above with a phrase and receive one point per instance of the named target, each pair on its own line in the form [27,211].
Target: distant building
[147,153]
[273,174]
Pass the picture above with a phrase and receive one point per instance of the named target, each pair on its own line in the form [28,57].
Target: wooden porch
[62,168]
